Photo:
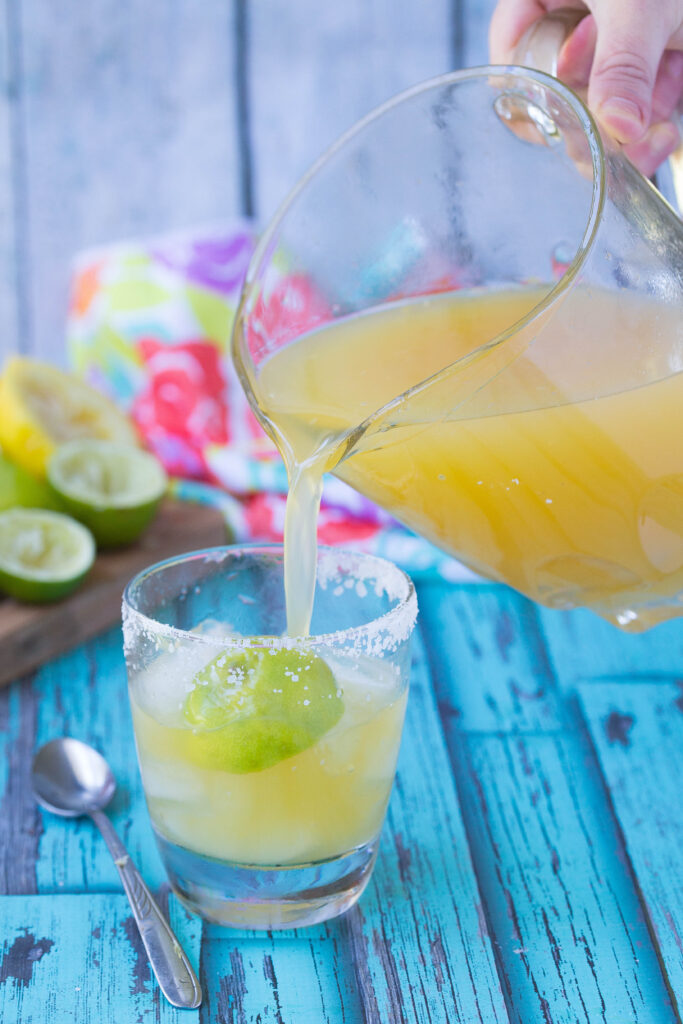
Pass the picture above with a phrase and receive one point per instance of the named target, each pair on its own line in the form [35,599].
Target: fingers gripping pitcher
[491,343]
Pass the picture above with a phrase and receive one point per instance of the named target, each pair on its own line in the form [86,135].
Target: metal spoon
[70,779]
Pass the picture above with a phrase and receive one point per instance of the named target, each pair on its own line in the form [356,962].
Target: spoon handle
[174,972]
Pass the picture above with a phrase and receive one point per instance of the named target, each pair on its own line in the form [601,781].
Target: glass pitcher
[471,310]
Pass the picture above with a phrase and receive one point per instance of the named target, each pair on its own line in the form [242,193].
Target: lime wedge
[43,555]
[251,709]
[17,487]
[113,489]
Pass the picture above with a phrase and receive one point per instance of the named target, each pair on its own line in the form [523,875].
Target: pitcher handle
[539,48]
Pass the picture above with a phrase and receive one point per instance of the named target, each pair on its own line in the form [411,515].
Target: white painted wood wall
[123,118]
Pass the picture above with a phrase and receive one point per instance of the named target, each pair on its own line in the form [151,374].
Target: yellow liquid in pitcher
[571,499]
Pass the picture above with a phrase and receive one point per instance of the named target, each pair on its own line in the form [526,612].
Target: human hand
[627,53]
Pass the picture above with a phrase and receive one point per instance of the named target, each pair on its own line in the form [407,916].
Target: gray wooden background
[122,118]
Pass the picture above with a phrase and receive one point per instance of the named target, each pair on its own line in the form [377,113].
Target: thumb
[630,44]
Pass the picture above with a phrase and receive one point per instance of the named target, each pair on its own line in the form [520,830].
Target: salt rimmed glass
[267,761]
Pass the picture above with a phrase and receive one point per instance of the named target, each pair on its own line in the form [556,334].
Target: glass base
[254,896]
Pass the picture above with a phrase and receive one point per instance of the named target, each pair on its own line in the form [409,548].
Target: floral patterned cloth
[149,324]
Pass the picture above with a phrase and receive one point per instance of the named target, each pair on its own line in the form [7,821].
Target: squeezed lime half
[19,487]
[113,489]
[43,406]
[251,709]
[43,555]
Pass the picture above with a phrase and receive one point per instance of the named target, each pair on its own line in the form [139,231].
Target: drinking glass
[267,761]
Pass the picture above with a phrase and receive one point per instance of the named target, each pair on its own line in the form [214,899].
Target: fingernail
[623,117]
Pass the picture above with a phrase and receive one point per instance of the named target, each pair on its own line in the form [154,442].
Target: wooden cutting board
[32,634]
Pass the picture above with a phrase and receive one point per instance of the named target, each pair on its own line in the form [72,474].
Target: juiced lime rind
[107,475]
[113,489]
[42,406]
[47,592]
[251,709]
[43,555]
[19,488]
[112,528]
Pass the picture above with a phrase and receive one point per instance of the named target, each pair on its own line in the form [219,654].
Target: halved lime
[43,555]
[43,406]
[18,487]
[253,708]
[113,489]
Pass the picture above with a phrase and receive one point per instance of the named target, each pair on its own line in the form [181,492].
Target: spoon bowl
[70,778]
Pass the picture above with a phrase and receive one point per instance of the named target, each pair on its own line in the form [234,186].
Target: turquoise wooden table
[530,868]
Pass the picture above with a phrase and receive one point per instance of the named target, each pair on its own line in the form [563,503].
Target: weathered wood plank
[315,69]
[488,659]
[279,978]
[429,955]
[20,822]
[10,170]
[129,119]
[581,645]
[637,729]
[80,958]
[84,694]
[416,947]
[561,902]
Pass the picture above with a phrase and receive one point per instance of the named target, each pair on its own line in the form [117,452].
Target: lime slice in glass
[43,555]
[251,709]
[113,489]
